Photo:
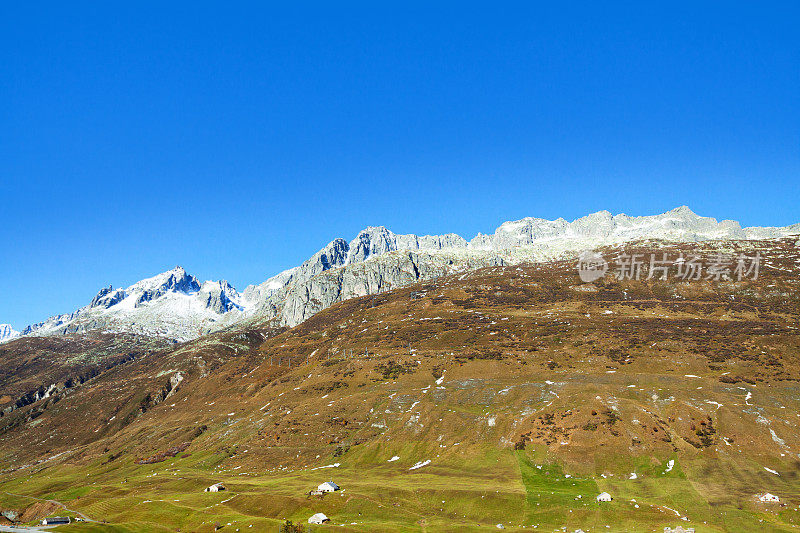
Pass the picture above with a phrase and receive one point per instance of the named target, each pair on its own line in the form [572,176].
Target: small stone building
[216,487]
[318,518]
[328,486]
[55,520]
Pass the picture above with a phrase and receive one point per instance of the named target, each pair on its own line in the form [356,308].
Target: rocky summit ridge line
[176,305]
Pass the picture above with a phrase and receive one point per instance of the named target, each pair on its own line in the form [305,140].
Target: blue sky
[236,140]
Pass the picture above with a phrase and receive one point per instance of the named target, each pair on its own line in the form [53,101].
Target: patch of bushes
[329,387]
[340,450]
[112,457]
[736,379]
[393,370]
[289,527]
[162,456]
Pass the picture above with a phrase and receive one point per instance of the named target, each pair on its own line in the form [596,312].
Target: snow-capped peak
[7,332]
[172,304]
[172,280]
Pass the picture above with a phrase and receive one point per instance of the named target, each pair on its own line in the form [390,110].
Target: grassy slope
[501,486]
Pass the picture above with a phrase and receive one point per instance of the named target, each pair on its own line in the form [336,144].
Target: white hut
[328,486]
[216,487]
[767,497]
[604,497]
[318,518]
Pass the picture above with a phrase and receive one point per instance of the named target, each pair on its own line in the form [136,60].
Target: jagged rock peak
[219,296]
[176,279]
[173,304]
[377,240]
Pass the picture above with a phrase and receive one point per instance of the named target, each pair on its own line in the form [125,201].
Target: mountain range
[177,306]
[503,394]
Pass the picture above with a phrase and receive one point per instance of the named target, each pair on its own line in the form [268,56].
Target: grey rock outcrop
[217,296]
[389,271]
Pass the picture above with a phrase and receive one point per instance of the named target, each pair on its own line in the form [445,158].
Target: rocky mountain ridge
[176,305]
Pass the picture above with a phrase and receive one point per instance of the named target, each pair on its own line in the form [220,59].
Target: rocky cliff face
[219,296]
[176,305]
[379,240]
[389,271]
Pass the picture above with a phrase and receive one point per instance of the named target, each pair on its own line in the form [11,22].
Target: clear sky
[236,139]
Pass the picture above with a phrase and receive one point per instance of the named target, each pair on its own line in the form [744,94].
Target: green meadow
[475,492]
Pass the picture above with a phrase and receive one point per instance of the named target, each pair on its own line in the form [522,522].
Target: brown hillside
[606,378]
